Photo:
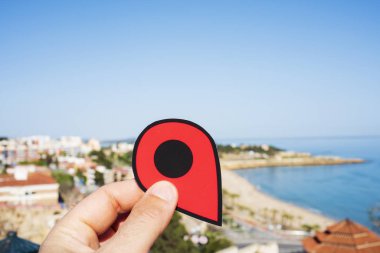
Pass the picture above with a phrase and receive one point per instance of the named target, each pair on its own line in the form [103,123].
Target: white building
[117,174]
[122,147]
[25,186]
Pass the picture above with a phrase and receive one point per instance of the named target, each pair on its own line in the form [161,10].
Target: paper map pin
[183,153]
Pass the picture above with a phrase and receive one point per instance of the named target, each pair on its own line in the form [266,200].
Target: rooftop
[344,237]
[12,244]
[34,178]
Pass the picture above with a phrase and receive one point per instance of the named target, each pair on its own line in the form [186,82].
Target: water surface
[340,191]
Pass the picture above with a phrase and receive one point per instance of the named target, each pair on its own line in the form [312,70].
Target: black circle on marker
[173,158]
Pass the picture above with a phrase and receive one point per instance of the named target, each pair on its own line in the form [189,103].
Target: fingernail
[163,190]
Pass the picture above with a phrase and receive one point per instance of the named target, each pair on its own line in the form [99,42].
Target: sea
[339,191]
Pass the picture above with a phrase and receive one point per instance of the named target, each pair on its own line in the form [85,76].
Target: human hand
[118,217]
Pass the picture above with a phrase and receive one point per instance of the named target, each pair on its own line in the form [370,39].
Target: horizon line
[219,139]
[266,138]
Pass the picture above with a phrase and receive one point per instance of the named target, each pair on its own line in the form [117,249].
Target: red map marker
[183,153]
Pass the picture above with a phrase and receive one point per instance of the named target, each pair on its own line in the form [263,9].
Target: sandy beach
[258,201]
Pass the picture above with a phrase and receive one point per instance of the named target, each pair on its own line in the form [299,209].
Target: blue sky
[106,69]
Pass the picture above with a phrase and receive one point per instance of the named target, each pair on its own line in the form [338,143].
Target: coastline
[238,162]
[258,201]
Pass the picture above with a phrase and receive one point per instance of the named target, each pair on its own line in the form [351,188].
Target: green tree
[216,241]
[99,178]
[81,176]
[310,228]
[63,179]
[172,239]
[101,158]
[126,158]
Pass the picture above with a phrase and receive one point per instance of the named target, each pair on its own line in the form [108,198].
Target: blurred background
[288,89]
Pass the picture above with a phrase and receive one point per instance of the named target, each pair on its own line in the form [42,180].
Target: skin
[118,217]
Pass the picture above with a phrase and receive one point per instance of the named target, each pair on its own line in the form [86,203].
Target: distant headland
[256,156]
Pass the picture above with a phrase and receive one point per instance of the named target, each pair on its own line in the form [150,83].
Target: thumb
[148,218]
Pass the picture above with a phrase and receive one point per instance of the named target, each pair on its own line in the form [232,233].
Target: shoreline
[238,162]
[259,201]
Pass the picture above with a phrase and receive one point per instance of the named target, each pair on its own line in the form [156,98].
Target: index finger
[96,213]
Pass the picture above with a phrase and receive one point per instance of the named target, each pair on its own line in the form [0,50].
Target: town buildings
[13,151]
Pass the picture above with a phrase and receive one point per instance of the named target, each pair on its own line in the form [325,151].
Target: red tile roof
[344,237]
[35,178]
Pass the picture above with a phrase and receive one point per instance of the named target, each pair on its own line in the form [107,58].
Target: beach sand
[258,201]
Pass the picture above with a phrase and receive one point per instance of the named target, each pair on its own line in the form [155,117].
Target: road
[249,235]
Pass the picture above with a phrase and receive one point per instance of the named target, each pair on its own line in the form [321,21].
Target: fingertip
[164,190]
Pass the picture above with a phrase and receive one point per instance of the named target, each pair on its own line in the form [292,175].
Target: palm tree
[284,219]
[291,219]
[233,197]
[274,214]
[251,213]
[300,218]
